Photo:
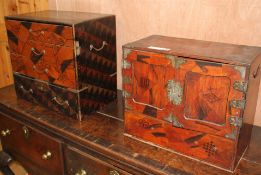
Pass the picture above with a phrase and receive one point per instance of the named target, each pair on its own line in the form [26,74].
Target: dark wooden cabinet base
[96,145]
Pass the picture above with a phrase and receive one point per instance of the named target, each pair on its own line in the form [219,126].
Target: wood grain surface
[230,21]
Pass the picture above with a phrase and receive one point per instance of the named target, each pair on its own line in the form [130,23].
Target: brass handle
[47,155]
[41,53]
[60,103]
[5,133]
[26,91]
[40,71]
[26,132]
[81,172]
[114,172]
[104,43]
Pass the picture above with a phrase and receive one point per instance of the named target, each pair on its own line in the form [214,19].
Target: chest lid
[197,49]
[58,17]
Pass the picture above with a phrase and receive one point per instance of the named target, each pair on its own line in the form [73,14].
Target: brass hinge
[174,120]
[125,94]
[240,104]
[176,61]
[232,135]
[77,48]
[126,64]
[126,52]
[174,92]
[235,121]
[126,80]
[240,86]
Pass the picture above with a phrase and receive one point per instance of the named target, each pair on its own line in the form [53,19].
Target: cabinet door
[190,93]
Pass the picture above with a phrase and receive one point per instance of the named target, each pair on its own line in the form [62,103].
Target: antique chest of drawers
[197,98]
[64,60]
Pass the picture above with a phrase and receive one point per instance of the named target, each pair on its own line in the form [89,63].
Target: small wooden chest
[71,52]
[197,98]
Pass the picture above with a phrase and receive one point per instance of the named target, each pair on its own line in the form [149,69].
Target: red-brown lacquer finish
[42,51]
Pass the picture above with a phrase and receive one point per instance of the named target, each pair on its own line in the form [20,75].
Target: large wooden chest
[71,52]
[196,98]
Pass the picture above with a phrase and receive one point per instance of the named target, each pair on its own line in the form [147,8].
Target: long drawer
[20,140]
[53,97]
[79,163]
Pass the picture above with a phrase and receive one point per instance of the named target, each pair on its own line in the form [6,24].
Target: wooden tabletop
[103,136]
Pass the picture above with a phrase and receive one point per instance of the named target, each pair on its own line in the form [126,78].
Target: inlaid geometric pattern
[210,148]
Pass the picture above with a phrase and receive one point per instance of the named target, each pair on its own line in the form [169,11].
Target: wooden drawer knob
[47,155]
[5,133]
[114,172]
[81,172]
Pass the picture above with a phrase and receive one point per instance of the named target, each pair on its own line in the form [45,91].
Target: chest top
[204,50]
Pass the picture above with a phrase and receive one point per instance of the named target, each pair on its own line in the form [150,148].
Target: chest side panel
[96,59]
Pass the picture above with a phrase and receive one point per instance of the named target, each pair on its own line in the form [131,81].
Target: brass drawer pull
[40,71]
[26,132]
[41,53]
[5,133]
[26,91]
[47,155]
[81,172]
[61,103]
[104,43]
[114,172]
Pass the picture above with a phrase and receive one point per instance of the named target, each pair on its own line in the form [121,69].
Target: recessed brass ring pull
[114,172]
[36,53]
[26,91]
[66,102]
[47,155]
[5,133]
[81,172]
[26,132]
[255,73]
[104,43]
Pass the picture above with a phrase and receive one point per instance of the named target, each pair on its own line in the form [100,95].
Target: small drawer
[53,97]
[46,62]
[79,163]
[20,32]
[23,141]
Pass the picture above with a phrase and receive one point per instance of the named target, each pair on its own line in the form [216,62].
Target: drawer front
[20,32]
[55,98]
[46,63]
[43,60]
[192,94]
[209,148]
[40,149]
[78,163]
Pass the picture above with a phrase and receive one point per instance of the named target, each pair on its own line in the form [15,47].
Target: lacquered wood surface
[102,137]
